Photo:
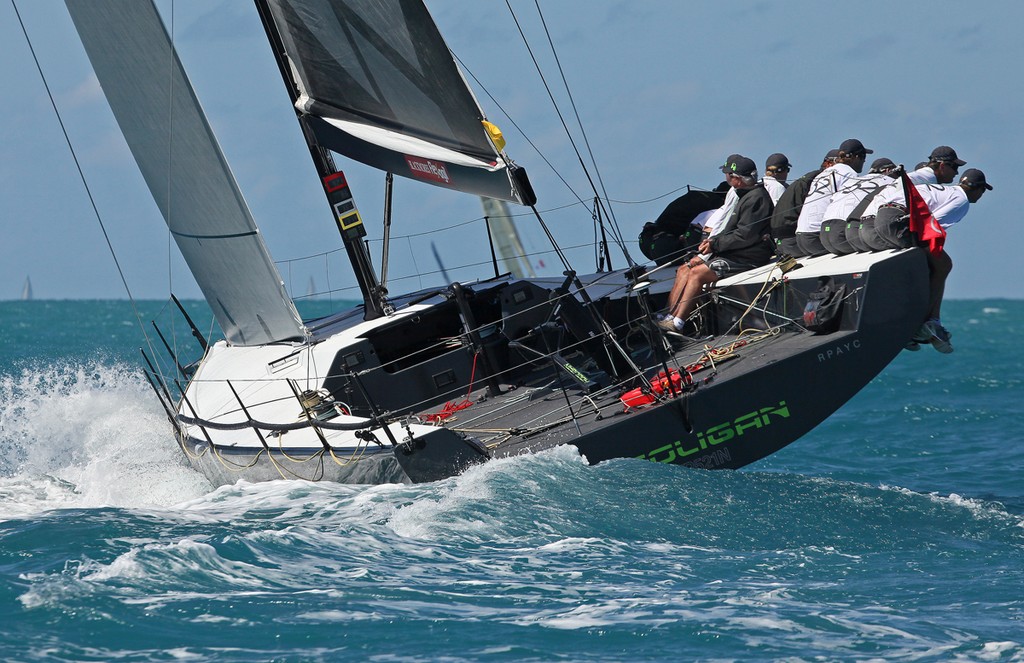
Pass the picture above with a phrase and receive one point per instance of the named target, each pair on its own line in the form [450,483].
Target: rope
[450,408]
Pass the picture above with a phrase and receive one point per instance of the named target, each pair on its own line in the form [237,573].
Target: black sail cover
[377,83]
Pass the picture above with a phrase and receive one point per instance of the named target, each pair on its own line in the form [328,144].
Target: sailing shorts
[724,266]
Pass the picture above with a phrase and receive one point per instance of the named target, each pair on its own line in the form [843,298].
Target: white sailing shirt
[819,196]
[717,220]
[854,190]
[923,175]
[774,188]
[948,202]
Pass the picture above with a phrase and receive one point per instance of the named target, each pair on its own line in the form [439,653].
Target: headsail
[182,163]
[506,238]
[378,84]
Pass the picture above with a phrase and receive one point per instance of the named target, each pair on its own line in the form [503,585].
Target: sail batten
[367,71]
[187,174]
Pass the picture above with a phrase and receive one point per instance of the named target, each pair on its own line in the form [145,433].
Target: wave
[797,566]
[86,434]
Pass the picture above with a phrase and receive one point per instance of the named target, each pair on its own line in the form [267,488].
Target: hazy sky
[666,90]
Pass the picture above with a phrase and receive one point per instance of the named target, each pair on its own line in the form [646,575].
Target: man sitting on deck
[740,244]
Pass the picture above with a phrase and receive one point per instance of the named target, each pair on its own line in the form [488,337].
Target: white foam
[85,435]
[435,513]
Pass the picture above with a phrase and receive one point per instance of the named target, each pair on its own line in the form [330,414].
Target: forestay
[377,83]
[182,163]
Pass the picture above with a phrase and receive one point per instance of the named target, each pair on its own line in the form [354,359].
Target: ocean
[895,530]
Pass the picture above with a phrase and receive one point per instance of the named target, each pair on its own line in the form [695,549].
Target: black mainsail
[376,82]
[186,172]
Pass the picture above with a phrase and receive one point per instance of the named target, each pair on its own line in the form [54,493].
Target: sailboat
[26,290]
[419,386]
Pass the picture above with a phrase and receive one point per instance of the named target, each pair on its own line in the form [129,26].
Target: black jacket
[744,236]
[787,211]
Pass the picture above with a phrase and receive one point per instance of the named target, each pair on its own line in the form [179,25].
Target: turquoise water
[893,531]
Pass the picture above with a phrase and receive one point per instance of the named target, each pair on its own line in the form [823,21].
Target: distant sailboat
[506,238]
[311,288]
[26,290]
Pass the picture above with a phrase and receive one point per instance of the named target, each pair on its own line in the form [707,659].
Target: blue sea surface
[895,530]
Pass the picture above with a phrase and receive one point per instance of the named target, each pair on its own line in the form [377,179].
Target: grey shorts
[724,266]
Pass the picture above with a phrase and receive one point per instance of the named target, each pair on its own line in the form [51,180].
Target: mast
[351,234]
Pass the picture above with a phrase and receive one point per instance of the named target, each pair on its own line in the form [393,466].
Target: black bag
[673,234]
[665,247]
[824,310]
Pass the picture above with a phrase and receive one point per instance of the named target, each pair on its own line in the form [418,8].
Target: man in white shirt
[948,205]
[714,221]
[845,201]
[941,167]
[776,170]
[787,210]
[852,155]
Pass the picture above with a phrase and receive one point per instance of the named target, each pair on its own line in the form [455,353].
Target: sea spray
[87,434]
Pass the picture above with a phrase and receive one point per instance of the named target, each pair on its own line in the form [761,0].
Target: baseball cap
[947,154]
[973,177]
[881,165]
[777,161]
[728,160]
[832,155]
[740,165]
[854,146]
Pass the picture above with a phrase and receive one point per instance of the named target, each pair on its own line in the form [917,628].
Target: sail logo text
[760,418]
[428,170]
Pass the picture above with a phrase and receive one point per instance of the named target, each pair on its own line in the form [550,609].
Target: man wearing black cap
[941,167]
[787,208]
[740,244]
[716,218]
[852,155]
[776,170]
[948,205]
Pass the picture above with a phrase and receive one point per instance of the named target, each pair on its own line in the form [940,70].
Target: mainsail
[376,83]
[182,163]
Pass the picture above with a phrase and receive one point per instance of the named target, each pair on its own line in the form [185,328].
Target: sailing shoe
[938,336]
[668,324]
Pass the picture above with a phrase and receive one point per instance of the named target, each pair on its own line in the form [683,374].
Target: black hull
[771,392]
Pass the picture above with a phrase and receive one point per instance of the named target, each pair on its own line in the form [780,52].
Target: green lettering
[752,420]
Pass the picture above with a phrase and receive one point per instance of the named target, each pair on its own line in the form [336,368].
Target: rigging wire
[558,112]
[85,183]
[536,149]
[572,102]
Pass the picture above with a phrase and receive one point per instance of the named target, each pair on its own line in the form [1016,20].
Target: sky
[664,90]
